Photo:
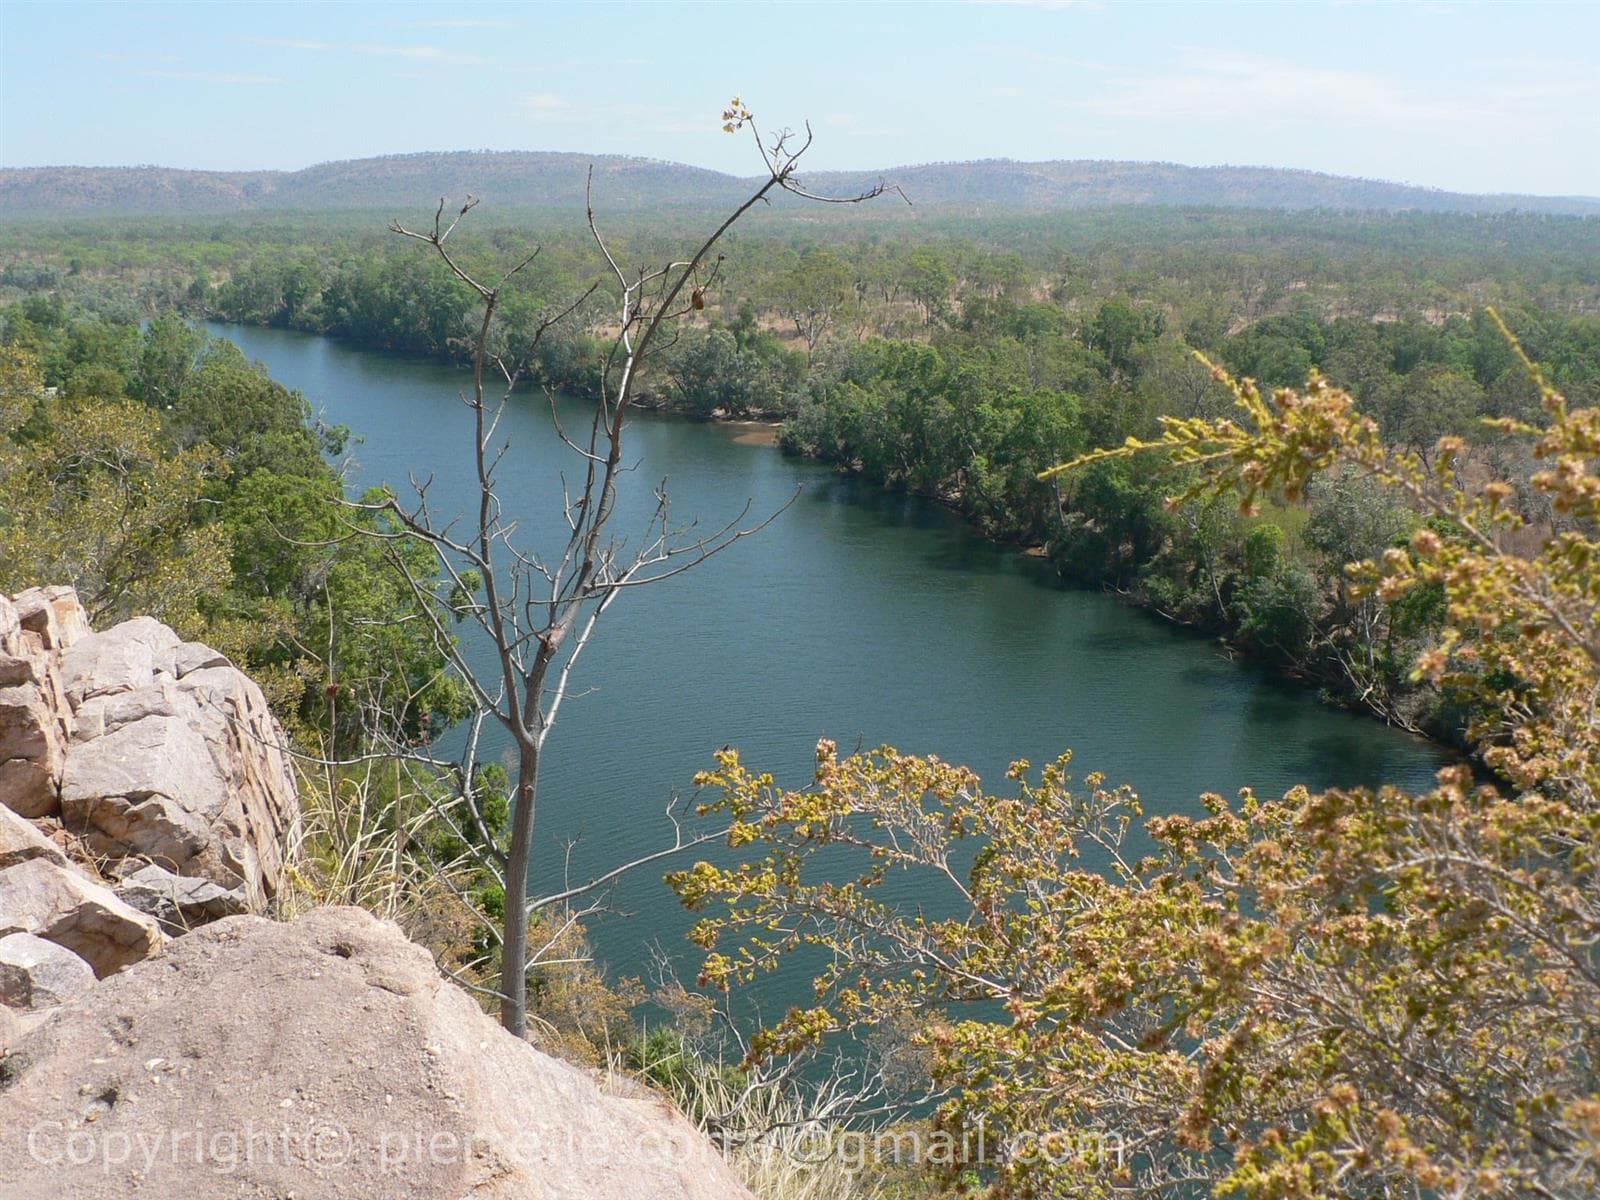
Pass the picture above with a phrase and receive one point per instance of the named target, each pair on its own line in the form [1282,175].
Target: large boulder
[141,780]
[37,974]
[60,904]
[321,1059]
[20,840]
[150,749]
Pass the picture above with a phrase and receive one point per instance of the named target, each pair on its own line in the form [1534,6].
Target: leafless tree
[539,612]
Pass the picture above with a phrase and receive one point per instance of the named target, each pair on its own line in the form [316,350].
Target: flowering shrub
[1362,993]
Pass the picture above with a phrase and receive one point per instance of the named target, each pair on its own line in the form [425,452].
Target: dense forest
[166,474]
[957,364]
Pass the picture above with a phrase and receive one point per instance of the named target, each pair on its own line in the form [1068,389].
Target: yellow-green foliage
[1356,993]
[92,494]
[1521,636]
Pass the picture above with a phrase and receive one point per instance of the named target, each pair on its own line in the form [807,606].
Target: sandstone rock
[106,714]
[180,903]
[164,752]
[35,723]
[35,718]
[192,656]
[61,905]
[263,799]
[120,659]
[20,841]
[322,1059]
[25,720]
[53,614]
[38,974]
[16,1024]
[15,670]
[150,787]
[28,788]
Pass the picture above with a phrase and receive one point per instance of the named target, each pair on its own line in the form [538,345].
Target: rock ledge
[320,1059]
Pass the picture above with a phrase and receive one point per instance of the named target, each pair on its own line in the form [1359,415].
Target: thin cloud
[551,108]
[1047,5]
[290,43]
[437,54]
[461,23]
[433,54]
[215,77]
[107,56]
[1232,86]
[1042,58]
[658,118]
[547,102]
[1005,93]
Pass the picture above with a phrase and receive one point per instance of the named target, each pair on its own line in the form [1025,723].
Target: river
[860,616]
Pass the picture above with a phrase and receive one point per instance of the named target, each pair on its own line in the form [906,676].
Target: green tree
[812,293]
[1434,400]
[720,373]
[928,278]
[96,497]
[1119,329]
[171,346]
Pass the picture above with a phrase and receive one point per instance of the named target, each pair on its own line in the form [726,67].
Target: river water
[860,616]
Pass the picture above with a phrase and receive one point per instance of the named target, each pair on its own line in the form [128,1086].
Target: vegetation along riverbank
[958,359]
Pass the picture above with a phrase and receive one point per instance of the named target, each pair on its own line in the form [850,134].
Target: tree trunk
[514,950]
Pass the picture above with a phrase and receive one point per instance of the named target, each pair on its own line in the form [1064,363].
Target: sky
[1466,96]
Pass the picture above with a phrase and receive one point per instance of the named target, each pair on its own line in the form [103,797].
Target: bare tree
[539,612]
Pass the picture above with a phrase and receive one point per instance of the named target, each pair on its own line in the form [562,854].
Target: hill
[554,181]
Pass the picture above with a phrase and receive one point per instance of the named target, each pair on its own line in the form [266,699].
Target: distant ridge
[555,181]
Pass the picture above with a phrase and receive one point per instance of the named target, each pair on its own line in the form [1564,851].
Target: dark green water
[858,616]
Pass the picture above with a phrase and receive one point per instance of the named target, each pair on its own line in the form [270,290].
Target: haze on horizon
[1467,97]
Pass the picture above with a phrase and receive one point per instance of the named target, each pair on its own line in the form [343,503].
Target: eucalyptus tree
[813,293]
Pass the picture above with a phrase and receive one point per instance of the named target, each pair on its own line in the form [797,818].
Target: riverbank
[1325,676]
[753,433]
[1326,669]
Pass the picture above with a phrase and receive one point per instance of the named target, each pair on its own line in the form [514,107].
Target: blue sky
[1473,97]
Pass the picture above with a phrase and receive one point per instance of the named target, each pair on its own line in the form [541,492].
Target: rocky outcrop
[155,1042]
[126,756]
[35,720]
[321,1059]
[178,902]
[62,905]
[149,749]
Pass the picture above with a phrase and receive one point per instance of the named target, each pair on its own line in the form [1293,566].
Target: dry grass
[776,1135]
[366,838]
